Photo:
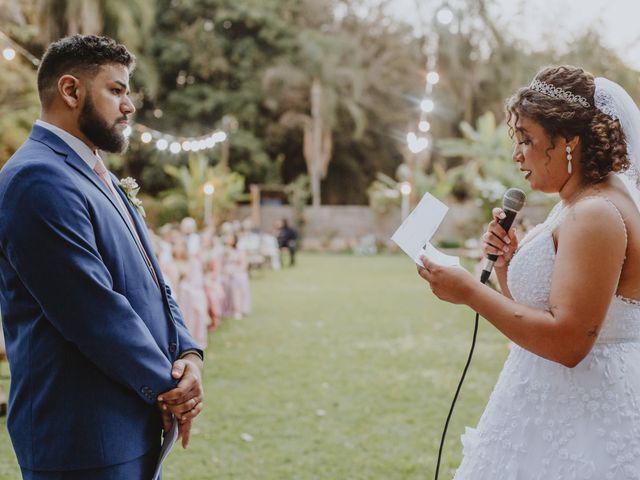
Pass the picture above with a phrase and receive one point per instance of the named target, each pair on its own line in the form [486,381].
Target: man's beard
[96,129]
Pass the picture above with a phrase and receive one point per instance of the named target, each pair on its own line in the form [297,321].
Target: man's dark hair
[77,55]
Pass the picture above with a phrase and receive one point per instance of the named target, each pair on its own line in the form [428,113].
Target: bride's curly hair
[603,143]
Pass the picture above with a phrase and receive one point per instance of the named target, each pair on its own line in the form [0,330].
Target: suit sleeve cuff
[193,350]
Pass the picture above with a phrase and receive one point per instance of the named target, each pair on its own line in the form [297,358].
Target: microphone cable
[512,203]
[455,397]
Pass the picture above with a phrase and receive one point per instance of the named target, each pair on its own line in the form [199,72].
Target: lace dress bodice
[545,421]
[529,281]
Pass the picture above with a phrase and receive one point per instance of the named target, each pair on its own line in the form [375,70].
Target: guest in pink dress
[191,292]
[213,282]
[236,280]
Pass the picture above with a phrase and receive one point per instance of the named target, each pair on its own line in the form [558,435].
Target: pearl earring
[569,157]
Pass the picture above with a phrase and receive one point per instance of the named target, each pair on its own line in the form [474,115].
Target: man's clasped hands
[185,402]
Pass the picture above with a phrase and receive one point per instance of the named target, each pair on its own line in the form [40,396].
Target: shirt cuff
[187,352]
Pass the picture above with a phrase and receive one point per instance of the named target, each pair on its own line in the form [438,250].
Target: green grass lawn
[345,370]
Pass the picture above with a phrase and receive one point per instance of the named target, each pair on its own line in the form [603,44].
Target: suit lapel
[49,138]
[81,166]
[141,229]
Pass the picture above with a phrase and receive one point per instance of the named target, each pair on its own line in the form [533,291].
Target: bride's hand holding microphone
[496,241]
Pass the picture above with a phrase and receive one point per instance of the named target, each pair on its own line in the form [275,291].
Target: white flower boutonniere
[131,188]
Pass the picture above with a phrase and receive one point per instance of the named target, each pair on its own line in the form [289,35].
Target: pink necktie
[103,173]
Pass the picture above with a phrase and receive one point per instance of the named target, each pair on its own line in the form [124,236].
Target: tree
[485,169]
[344,90]
[19,106]
[330,82]
[188,196]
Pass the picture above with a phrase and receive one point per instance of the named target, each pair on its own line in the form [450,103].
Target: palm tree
[189,192]
[330,84]
[487,168]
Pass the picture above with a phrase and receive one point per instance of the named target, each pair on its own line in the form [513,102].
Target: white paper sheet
[414,234]
[167,444]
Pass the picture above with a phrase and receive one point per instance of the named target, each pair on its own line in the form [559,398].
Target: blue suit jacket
[90,336]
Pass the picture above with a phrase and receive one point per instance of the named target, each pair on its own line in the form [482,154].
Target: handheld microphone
[512,203]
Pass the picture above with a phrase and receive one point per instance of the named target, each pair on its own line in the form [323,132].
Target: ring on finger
[195,404]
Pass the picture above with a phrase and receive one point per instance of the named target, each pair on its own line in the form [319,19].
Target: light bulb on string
[427,105]
[424,126]
[416,144]
[433,78]
[209,189]
[445,16]
[219,137]
[164,141]
[9,53]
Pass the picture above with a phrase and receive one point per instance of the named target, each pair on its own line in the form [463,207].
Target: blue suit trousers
[140,468]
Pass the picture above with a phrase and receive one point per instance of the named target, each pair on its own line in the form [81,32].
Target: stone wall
[343,227]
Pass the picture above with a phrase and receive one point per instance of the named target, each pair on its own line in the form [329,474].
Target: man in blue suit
[100,357]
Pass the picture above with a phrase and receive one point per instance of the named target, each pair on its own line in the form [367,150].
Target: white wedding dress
[545,421]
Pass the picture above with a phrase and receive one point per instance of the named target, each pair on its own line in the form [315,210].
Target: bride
[567,402]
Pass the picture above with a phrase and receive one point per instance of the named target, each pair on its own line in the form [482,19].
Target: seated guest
[288,239]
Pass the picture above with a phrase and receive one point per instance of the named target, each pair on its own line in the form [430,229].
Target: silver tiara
[557,92]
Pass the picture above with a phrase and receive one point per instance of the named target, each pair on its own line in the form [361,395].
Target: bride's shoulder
[595,219]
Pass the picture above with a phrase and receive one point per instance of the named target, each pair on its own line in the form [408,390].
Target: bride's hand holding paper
[452,284]
[448,280]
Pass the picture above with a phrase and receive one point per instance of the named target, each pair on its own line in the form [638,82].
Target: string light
[433,77]
[427,105]
[12,47]
[424,126]
[146,135]
[9,53]
[415,143]
[445,16]
[209,189]
[175,147]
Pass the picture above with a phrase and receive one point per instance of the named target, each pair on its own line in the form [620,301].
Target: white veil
[613,100]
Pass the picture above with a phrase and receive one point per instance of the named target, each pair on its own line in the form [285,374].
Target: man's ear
[70,90]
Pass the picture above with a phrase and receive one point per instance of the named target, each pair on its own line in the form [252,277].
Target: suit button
[173,347]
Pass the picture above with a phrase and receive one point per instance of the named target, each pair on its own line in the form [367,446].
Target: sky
[535,21]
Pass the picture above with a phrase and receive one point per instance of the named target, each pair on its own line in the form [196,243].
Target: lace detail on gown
[545,421]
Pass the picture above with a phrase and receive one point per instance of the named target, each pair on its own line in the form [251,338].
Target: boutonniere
[131,188]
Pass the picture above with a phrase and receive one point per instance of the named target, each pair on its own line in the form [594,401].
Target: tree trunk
[316,141]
